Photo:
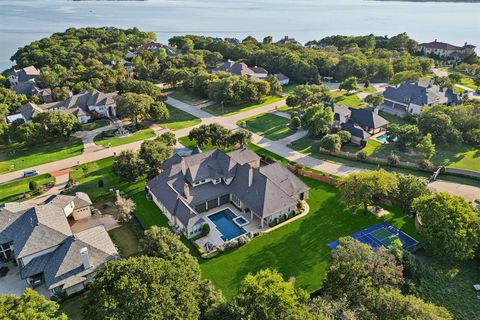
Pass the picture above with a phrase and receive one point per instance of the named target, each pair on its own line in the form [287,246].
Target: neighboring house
[445,50]
[287,40]
[241,69]
[191,185]
[413,96]
[49,255]
[127,65]
[82,105]
[23,81]
[361,123]
[23,75]
[155,46]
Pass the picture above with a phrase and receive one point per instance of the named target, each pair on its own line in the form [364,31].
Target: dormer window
[217,181]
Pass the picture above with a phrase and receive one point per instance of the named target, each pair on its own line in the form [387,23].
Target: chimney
[85,258]
[435,40]
[186,190]
[466,43]
[250,176]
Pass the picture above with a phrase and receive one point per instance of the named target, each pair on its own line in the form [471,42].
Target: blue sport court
[382,234]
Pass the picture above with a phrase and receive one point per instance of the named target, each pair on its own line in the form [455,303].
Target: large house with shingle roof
[445,50]
[23,81]
[241,69]
[413,96]
[361,123]
[82,105]
[189,186]
[50,256]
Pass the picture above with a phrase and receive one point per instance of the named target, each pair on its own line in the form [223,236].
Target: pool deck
[215,237]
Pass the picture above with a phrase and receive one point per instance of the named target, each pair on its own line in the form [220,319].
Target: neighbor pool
[382,138]
[223,220]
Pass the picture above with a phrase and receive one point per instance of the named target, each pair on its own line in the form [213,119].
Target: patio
[12,283]
[215,237]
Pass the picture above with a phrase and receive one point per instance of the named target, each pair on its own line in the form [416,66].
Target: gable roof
[444,46]
[420,93]
[26,73]
[367,118]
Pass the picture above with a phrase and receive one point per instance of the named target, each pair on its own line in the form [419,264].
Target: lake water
[23,21]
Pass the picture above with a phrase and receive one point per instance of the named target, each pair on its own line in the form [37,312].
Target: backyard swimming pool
[223,221]
[383,138]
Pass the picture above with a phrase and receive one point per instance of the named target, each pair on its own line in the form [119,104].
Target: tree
[349,84]
[403,76]
[154,153]
[134,106]
[125,209]
[140,86]
[317,119]
[344,135]
[437,121]
[331,142]
[144,288]
[57,123]
[266,295]
[374,99]
[128,166]
[31,133]
[304,96]
[365,188]
[476,80]
[162,243]
[31,305]
[240,137]
[404,136]
[168,138]
[426,146]
[450,225]
[409,188]
[33,186]
[295,122]
[158,111]
[357,271]
[275,86]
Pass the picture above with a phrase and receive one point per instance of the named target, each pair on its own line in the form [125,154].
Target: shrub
[345,136]
[299,166]
[362,155]
[393,159]
[363,143]
[331,142]
[33,186]
[425,164]
[100,183]
[299,205]
[205,229]
[295,122]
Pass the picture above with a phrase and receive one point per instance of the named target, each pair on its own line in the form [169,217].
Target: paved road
[278,147]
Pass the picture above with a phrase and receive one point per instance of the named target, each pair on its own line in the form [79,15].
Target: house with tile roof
[445,50]
[413,96]
[241,69]
[190,186]
[83,105]
[52,258]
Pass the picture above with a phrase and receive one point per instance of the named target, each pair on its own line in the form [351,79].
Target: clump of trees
[317,119]
[140,106]
[304,96]
[218,136]
[30,305]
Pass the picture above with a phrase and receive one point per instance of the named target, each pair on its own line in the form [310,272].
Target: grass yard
[450,285]
[126,238]
[289,88]
[350,100]
[73,307]
[216,109]
[187,97]
[179,119]
[113,141]
[393,119]
[468,82]
[18,156]
[268,125]
[95,125]
[15,190]
[298,249]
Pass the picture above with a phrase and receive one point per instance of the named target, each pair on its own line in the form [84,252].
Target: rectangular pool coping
[236,216]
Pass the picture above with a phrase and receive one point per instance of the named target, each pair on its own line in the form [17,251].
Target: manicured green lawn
[393,119]
[104,141]
[126,238]
[187,97]
[468,82]
[18,156]
[289,88]
[298,249]
[14,191]
[268,125]
[350,100]
[95,125]
[179,119]
[216,109]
